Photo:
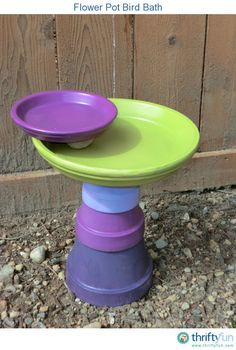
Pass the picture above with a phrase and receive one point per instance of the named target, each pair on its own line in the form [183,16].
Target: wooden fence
[185,62]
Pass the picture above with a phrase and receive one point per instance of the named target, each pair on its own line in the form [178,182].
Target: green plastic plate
[145,143]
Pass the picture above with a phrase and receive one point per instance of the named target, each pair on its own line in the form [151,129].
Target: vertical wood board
[95,54]
[218,120]
[169,61]
[27,65]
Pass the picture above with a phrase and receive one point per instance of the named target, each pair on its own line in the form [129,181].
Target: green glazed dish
[145,143]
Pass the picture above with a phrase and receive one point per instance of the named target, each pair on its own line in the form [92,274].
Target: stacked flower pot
[109,264]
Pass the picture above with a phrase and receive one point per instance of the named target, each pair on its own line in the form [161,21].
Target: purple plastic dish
[67,116]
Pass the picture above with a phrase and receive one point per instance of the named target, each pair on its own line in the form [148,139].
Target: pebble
[162,265]
[161,243]
[212,200]
[205,210]
[199,233]
[153,254]
[171,298]
[197,311]
[3,305]
[209,226]
[24,255]
[230,268]
[10,288]
[56,267]
[187,252]
[230,312]
[187,270]
[211,299]
[9,322]
[43,308]
[6,273]
[227,242]
[41,315]
[37,255]
[56,260]
[3,315]
[190,226]
[95,324]
[186,217]
[69,241]
[219,273]
[185,306]
[2,241]
[28,321]
[111,320]
[155,215]
[38,324]
[216,216]
[134,304]
[231,301]
[233,221]
[203,278]
[14,314]
[19,267]
[214,246]
[61,275]
[142,205]
[197,314]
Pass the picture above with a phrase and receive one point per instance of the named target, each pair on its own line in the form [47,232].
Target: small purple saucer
[67,116]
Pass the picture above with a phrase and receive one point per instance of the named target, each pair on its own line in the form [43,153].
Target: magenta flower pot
[109,232]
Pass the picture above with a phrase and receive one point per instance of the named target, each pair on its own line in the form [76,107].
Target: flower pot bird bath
[112,146]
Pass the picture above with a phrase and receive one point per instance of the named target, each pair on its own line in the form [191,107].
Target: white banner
[117,339]
[118,7]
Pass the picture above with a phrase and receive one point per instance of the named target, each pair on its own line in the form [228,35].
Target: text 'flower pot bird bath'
[129,143]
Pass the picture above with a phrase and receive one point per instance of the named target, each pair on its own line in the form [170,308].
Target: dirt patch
[191,237]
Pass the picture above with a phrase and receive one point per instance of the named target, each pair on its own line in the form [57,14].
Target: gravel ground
[190,236]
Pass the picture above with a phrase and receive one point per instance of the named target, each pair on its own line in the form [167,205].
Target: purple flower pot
[109,232]
[109,278]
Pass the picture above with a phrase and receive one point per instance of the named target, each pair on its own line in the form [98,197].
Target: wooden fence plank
[169,61]
[85,53]
[218,121]
[45,189]
[27,65]
[30,191]
[95,54]
[123,70]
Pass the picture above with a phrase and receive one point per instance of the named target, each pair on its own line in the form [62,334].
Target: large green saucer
[145,143]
